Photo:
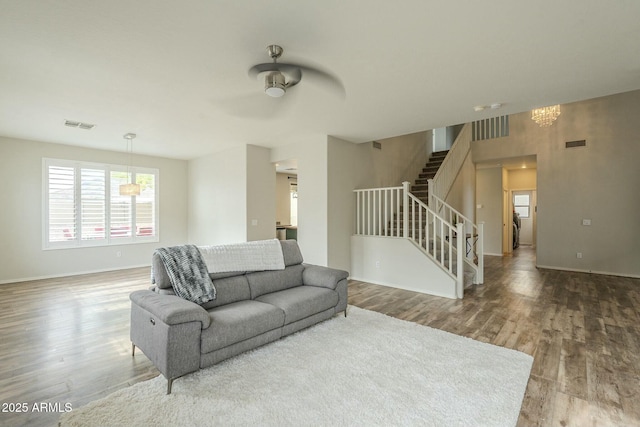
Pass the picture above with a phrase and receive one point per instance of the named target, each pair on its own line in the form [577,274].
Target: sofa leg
[169,384]
[133,349]
[345,312]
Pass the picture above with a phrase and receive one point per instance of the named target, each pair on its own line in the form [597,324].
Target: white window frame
[78,242]
[527,205]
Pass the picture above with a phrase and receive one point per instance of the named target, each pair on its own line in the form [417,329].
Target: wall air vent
[377,145]
[574,144]
[79,125]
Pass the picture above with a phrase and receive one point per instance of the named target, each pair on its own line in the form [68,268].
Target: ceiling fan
[279,76]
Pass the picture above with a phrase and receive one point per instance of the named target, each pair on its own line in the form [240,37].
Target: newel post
[480,253]
[460,243]
[406,187]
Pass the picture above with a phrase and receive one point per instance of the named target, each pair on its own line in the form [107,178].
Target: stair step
[431,169]
[419,187]
[426,175]
[442,153]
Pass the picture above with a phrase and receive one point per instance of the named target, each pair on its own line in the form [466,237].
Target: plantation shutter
[120,207]
[61,203]
[145,205]
[93,204]
[83,206]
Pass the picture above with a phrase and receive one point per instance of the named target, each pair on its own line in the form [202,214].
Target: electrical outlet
[579,255]
[118,254]
[586,222]
[377,263]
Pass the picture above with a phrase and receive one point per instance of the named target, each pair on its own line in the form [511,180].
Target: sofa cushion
[291,252]
[302,301]
[229,289]
[265,282]
[239,321]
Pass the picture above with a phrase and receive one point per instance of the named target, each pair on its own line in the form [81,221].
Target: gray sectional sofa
[251,309]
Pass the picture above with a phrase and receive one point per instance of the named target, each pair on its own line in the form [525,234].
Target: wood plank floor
[66,340]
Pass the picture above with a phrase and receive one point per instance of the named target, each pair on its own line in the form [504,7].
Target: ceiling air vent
[79,125]
[574,144]
[377,145]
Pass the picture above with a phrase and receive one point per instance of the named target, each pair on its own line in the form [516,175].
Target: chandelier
[545,116]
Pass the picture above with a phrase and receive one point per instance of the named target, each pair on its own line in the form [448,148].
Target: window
[521,205]
[83,205]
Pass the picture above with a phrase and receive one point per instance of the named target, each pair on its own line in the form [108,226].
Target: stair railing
[396,213]
[474,234]
[375,210]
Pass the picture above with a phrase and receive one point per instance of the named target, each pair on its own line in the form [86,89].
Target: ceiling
[175,73]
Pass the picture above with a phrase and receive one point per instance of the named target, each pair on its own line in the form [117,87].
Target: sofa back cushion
[160,276]
[291,252]
[264,282]
[228,290]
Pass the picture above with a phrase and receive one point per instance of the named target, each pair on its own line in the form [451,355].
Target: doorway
[524,208]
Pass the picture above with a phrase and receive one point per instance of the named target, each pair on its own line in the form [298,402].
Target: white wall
[489,201]
[597,182]
[217,198]
[232,196]
[260,194]
[349,169]
[400,264]
[21,253]
[311,155]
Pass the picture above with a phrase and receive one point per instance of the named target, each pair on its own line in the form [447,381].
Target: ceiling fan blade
[292,72]
[263,68]
[327,79]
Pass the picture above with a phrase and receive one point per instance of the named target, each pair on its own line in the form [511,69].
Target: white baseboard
[78,273]
[578,270]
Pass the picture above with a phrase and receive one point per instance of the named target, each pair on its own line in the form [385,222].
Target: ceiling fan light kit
[274,84]
[279,76]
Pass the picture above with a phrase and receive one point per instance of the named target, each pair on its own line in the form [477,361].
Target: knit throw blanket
[188,273]
[258,255]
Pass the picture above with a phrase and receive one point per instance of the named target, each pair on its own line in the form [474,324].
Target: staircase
[396,223]
[421,187]
[421,190]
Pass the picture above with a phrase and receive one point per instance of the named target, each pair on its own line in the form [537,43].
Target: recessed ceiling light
[479,107]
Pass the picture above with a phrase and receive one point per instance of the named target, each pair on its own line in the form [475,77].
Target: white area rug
[366,369]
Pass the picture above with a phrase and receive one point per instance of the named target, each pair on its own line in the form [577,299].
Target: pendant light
[130,189]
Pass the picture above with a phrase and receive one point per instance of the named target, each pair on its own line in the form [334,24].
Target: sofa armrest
[315,275]
[171,309]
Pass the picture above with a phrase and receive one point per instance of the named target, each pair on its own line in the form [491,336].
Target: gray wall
[599,182]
